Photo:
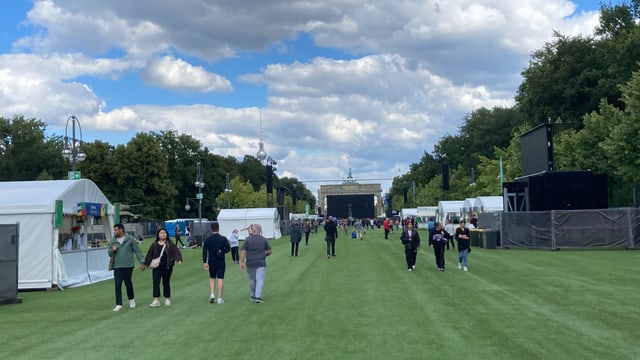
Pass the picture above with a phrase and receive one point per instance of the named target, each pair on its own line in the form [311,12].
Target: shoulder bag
[155,262]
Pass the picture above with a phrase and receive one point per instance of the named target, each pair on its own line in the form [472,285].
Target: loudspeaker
[600,191]
[445,176]
[567,190]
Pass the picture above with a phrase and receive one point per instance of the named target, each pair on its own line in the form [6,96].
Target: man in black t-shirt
[214,249]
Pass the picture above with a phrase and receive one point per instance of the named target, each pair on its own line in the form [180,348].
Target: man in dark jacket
[296,237]
[331,234]
[214,248]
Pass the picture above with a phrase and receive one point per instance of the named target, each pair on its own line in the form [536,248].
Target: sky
[329,86]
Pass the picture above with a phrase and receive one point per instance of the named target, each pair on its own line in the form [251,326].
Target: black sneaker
[259,300]
[253,298]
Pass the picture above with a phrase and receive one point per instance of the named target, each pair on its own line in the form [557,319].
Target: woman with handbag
[161,257]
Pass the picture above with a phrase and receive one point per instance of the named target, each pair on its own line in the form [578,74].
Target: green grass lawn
[362,304]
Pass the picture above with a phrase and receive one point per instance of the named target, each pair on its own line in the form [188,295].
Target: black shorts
[216,270]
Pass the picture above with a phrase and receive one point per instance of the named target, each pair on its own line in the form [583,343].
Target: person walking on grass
[169,254]
[464,245]
[122,249]
[450,229]
[296,237]
[234,241]
[178,232]
[439,242]
[386,225]
[357,227]
[411,241]
[307,231]
[331,234]
[213,259]
[255,250]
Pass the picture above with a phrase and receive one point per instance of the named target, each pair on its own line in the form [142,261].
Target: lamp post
[72,146]
[199,183]
[228,190]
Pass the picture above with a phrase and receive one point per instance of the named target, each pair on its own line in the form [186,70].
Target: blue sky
[339,85]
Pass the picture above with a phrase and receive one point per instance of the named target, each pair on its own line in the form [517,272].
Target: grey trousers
[256,280]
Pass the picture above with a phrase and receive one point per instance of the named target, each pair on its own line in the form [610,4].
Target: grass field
[362,304]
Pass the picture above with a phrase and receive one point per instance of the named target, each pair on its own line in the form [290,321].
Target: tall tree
[24,152]
[562,81]
[142,176]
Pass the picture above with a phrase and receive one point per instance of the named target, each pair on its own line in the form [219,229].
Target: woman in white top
[234,242]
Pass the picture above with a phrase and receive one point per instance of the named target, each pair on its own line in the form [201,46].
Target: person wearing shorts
[213,259]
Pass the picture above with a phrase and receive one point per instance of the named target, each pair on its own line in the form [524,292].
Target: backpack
[354,234]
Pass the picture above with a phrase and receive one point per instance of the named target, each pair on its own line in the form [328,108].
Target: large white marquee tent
[45,212]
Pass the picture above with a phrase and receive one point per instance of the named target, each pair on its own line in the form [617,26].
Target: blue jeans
[462,256]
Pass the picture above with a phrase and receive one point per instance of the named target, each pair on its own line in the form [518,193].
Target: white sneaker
[459,265]
[220,301]
[212,299]
[465,269]
[413,267]
[167,302]
[410,269]
[117,308]
[132,303]
[155,303]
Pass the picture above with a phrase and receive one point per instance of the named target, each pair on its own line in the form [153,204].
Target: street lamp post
[228,190]
[72,146]
[199,183]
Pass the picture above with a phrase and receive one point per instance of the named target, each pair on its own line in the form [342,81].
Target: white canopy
[32,205]
[489,203]
[469,206]
[268,218]
[448,209]
[427,211]
[404,213]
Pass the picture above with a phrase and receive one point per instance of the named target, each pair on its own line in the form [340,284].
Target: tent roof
[409,212]
[254,213]
[489,203]
[469,204]
[450,206]
[40,196]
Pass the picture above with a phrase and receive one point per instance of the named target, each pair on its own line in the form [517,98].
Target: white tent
[33,206]
[489,203]
[468,207]
[404,213]
[448,209]
[268,218]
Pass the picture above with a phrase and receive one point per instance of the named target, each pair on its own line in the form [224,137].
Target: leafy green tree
[24,152]
[142,177]
[99,164]
[622,146]
[562,81]
[253,171]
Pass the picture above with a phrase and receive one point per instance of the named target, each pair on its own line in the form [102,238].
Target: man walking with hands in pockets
[255,250]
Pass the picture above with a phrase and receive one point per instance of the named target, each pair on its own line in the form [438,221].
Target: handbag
[155,262]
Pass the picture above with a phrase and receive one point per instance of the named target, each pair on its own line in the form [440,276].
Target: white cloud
[177,74]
